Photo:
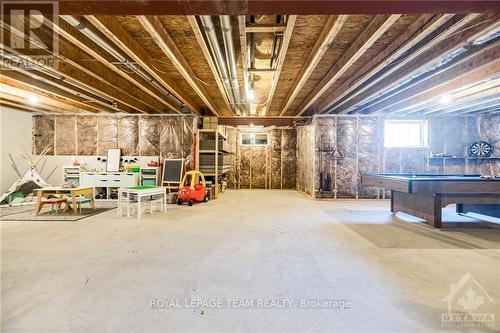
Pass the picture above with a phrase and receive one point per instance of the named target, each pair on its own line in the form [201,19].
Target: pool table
[424,195]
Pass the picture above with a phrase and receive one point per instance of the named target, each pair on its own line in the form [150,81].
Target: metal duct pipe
[81,26]
[206,21]
[227,36]
[50,72]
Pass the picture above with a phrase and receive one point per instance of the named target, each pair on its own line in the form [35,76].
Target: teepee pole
[14,166]
[50,174]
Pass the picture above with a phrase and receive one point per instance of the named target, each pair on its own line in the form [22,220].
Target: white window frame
[424,132]
[253,140]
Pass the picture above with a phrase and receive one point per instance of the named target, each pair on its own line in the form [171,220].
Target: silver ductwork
[9,54]
[226,65]
[81,26]
[227,36]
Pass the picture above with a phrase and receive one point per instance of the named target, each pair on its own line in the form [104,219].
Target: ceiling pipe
[227,36]
[81,26]
[58,77]
[213,42]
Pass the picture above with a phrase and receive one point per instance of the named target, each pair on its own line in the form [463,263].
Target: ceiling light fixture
[250,94]
[445,99]
[33,99]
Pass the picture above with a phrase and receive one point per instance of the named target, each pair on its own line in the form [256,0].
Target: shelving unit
[71,174]
[106,184]
[212,156]
[150,176]
[443,159]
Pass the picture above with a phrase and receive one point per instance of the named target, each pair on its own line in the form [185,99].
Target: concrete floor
[102,274]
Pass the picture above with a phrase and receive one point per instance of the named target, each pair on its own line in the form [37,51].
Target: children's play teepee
[31,180]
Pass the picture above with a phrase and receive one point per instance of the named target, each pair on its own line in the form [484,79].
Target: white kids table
[125,193]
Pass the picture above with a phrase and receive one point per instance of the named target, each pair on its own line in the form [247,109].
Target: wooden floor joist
[90,76]
[83,44]
[244,56]
[281,58]
[480,72]
[213,67]
[401,70]
[30,82]
[399,64]
[45,82]
[438,78]
[415,33]
[161,37]
[112,29]
[377,27]
[328,34]
[461,95]
[16,94]
[263,28]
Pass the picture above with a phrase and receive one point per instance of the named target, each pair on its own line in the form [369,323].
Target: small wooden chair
[55,202]
[80,200]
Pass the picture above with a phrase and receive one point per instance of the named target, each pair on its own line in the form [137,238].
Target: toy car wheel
[205,199]
[190,202]
[179,201]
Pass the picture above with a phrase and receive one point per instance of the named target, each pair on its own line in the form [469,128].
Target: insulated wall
[346,147]
[165,136]
[306,159]
[264,167]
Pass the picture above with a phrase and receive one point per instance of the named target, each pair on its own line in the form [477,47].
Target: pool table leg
[425,206]
[392,203]
[436,218]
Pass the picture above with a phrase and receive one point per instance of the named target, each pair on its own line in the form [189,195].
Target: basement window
[405,133]
[254,139]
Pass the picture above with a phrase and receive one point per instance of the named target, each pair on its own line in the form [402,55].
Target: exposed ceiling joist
[91,101]
[281,57]
[469,62]
[22,106]
[269,28]
[257,121]
[261,70]
[328,34]
[112,29]
[65,31]
[489,105]
[267,7]
[213,67]
[42,105]
[376,28]
[432,52]
[29,81]
[442,102]
[414,34]
[485,72]
[473,103]
[161,37]
[244,55]
[68,69]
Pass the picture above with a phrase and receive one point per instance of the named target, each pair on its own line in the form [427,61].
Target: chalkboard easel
[173,170]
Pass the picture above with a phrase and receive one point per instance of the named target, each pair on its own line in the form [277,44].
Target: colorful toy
[192,188]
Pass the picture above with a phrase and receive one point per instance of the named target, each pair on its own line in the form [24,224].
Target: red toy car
[195,191]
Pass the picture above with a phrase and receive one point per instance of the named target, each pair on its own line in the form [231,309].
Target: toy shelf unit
[150,176]
[106,184]
[213,157]
[71,174]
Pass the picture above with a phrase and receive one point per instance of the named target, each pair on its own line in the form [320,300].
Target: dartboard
[481,149]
